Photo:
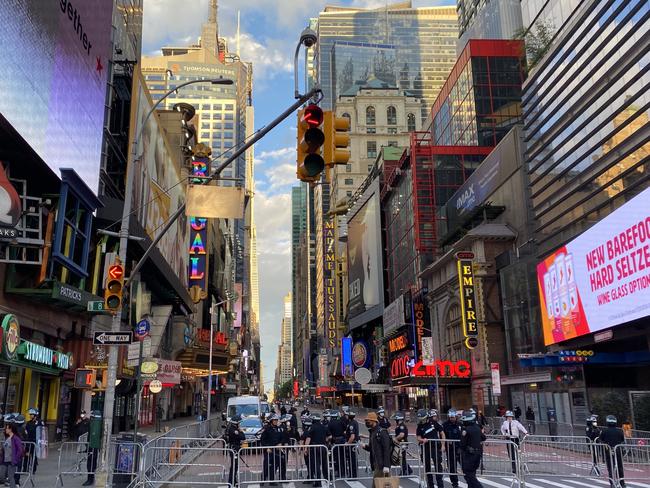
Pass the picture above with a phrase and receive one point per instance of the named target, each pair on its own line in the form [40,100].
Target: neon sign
[398,343]
[468,302]
[198,263]
[402,366]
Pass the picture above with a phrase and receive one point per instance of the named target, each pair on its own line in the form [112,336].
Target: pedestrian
[430,437]
[482,421]
[530,419]
[92,453]
[159,416]
[317,437]
[32,429]
[512,429]
[384,423]
[452,432]
[593,433]
[612,436]
[234,438]
[402,436]
[336,438]
[13,452]
[82,425]
[379,446]
[352,437]
[517,412]
[21,432]
[271,438]
[471,446]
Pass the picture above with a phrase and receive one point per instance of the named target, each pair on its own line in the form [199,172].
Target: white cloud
[275,154]
[280,177]
[270,57]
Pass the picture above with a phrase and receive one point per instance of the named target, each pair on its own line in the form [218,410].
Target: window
[348,194]
[349,181]
[391,115]
[216,125]
[205,125]
[371,130]
[346,115]
[392,143]
[228,116]
[370,116]
[348,168]
[205,116]
[216,116]
[410,122]
[205,135]
[371,149]
[229,106]
[392,130]
[217,106]
[205,106]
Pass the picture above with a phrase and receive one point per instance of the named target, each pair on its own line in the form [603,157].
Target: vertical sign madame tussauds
[329,275]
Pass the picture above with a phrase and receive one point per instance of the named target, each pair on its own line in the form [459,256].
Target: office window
[217,106]
[229,106]
[410,122]
[392,130]
[205,106]
[349,181]
[228,116]
[391,115]
[216,116]
[370,116]
[348,168]
[205,116]
[348,193]
[228,125]
[392,143]
[371,149]
[205,125]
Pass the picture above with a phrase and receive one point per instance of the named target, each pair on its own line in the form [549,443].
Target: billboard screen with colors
[601,278]
[54,59]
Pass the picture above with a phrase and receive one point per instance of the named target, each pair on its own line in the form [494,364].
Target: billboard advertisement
[365,278]
[157,193]
[54,60]
[601,278]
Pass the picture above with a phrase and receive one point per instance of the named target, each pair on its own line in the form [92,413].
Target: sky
[269,31]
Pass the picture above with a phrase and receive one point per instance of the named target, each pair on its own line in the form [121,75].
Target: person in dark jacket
[593,433]
[234,438]
[471,447]
[317,436]
[384,423]
[452,431]
[402,436]
[271,437]
[613,436]
[379,446]
[13,452]
[430,436]
[336,437]
[530,420]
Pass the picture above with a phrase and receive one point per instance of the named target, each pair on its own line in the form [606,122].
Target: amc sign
[401,367]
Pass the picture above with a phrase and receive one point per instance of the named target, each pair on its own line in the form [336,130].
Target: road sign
[104,338]
[116,271]
[427,351]
[96,306]
[142,329]
[363,376]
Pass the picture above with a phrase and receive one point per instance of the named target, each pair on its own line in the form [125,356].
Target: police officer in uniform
[336,436]
[272,437]
[402,436]
[613,436]
[234,438]
[471,446]
[384,423]
[351,437]
[306,427]
[317,436]
[427,432]
[593,433]
[452,430]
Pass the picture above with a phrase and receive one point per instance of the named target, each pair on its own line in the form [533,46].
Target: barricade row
[207,461]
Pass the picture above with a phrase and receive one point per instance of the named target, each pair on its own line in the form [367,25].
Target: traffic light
[310,163]
[337,142]
[114,287]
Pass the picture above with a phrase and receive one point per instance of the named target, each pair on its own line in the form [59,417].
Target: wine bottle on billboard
[573,291]
[558,335]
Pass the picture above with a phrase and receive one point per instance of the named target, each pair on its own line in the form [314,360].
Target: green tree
[610,403]
[642,412]
[538,40]
[285,390]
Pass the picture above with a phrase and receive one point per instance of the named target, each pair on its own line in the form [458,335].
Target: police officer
[613,436]
[384,423]
[472,448]
[429,434]
[452,430]
[336,436]
[306,423]
[234,438]
[593,433]
[317,436]
[31,429]
[402,436]
[272,436]
[351,439]
[345,417]
[326,418]
[305,412]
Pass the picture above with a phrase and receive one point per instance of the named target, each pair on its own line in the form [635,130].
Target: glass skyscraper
[414,46]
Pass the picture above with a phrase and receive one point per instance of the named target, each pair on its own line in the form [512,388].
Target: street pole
[139,392]
[116,325]
[216,305]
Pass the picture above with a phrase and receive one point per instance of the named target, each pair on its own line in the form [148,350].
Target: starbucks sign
[10,336]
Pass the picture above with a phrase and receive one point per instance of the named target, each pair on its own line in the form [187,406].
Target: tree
[538,41]
[285,390]
[610,403]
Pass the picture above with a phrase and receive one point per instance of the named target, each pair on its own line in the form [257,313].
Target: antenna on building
[238,12]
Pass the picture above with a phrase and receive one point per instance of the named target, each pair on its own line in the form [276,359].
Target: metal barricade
[265,465]
[123,463]
[349,461]
[501,459]
[439,459]
[190,466]
[76,459]
[566,457]
[25,469]
[632,463]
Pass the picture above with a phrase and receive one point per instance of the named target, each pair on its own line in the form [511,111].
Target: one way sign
[105,338]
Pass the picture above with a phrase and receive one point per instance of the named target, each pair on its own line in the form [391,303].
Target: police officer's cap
[422,414]
[306,421]
[433,412]
[335,414]
[469,416]
[286,418]
[509,414]
[452,413]
[327,414]
[316,417]
[9,418]
[352,413]
[235,419]
[399,416]
[611,420]
[592,419]
[381,410]
[20,419]
[33,411]
[274,417]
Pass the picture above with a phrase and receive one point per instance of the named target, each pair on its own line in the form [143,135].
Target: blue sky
[269,31]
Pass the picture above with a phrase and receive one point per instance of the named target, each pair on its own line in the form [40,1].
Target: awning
[194,358]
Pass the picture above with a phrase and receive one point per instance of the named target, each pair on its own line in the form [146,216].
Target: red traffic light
[312,116]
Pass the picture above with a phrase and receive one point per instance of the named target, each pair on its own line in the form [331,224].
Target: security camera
[308,37]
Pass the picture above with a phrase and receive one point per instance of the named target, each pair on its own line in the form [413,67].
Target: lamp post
[109,396]
[210,359]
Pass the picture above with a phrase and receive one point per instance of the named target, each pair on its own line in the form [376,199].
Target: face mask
[368,424]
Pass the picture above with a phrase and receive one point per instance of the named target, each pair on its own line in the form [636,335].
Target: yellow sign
[468,302]
[149,367]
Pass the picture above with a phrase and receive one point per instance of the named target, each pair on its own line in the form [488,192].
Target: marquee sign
[329,276]
[468,301]
[398,343]
[198,263]
[403,366]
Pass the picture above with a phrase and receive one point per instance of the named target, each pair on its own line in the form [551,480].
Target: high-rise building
[495,19]
[284,371]
[396,43]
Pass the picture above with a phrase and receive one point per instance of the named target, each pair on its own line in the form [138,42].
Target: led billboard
[54,59]
[601,278]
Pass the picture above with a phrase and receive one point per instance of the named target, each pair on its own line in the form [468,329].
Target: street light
[109,396]
[229,299]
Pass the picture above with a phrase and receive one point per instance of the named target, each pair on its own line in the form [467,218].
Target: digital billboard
[365,278]
[601,278]
[54,60]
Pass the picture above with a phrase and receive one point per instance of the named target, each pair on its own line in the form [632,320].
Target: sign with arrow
[116,271]
[116,338]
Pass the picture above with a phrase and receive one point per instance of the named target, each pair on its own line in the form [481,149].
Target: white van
[246,406]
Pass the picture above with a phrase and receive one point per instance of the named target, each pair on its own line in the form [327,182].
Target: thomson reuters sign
[401,367]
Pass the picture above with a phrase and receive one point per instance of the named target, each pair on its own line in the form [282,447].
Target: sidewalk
[48,469]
